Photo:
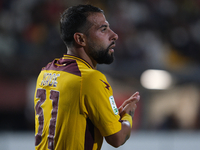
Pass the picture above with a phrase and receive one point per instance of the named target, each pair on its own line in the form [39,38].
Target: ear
[80,38]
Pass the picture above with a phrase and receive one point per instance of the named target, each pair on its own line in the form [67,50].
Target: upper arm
[99,103]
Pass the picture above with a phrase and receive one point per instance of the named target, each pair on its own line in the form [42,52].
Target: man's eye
[104,29]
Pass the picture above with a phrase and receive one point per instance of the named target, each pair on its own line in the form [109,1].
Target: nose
[114,36]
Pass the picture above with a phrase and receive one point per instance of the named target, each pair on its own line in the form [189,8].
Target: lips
[112,45]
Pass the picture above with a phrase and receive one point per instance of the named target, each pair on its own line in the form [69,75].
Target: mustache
[113,43]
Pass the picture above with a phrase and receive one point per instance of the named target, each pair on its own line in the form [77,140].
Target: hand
[129,106]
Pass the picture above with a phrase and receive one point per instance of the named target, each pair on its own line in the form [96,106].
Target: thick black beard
[103,56]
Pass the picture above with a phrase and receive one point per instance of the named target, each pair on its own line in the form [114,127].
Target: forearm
[120,137]
[126,131]
[127,123]
[126,111]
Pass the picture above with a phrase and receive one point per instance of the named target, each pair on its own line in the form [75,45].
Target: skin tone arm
[129,106]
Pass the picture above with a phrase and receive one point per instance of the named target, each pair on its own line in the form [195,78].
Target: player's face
[100,40]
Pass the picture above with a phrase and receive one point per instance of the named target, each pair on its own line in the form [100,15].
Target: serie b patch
[113,105]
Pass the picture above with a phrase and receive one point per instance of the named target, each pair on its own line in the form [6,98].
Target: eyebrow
[102,26]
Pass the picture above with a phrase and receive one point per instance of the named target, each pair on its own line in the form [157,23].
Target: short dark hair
[74,19]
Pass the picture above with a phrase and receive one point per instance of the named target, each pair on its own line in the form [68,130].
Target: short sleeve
[99,102]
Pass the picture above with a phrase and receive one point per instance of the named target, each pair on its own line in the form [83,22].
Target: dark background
[153,34]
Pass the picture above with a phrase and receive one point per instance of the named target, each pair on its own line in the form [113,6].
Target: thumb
[120,109]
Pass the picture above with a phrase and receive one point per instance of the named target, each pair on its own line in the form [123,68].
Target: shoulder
[95,78]
[93,75]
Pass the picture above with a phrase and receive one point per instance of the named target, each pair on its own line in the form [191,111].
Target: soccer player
[74,103]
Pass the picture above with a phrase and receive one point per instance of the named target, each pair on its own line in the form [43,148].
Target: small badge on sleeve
[113,105]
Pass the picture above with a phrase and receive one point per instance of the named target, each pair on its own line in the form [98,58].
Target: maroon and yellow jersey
[74,106]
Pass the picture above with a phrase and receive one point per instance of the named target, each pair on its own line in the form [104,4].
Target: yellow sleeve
[100,104]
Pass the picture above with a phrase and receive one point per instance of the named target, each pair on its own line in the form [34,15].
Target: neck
[80,52]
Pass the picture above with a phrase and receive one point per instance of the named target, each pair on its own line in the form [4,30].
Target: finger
[120,109]
[135,94]
[135,98]
[135,106]
[125,103]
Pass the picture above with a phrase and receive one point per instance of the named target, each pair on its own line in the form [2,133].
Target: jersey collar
[67,56]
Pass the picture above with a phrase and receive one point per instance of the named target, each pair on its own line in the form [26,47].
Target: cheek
[99,40]
[99,36]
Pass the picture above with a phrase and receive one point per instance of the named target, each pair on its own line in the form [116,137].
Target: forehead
[97,20]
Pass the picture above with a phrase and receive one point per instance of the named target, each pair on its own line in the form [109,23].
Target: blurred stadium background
[157,54]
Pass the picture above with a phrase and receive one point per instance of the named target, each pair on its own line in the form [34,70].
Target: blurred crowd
[29,35]
[160,34]
[155,32]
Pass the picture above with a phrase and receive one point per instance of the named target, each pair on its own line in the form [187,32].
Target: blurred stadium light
[156,79]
